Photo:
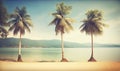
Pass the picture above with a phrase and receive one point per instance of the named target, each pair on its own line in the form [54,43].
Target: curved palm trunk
[62,46]
[19,51]
[91,58]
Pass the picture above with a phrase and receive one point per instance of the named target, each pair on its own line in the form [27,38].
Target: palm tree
[93,25]
[62,23]
[3,20]
[19,23]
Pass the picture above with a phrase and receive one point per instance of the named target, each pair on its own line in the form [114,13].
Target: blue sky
[40,12]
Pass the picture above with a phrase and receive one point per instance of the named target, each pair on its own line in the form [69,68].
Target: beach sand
[59,66]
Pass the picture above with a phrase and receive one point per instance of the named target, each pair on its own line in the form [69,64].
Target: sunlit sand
[59,66]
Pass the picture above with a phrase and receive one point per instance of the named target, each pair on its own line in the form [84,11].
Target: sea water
[54,54]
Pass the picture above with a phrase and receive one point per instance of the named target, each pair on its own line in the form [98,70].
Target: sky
[41,10]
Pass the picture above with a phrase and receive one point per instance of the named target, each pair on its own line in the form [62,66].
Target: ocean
[54,54]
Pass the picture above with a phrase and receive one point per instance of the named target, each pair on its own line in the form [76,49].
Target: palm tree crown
[62,23]
[20,21]
[93,23]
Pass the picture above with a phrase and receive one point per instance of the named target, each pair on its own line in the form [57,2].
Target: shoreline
[15,60]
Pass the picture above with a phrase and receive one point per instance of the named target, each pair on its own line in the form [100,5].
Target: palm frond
[57,29]
[101,23]
[58,16]
[27,17]
[68,23]
[3,30]
[12,21]
[16,30]
[12,27]
[55,14]
[17,9]
[54,21]
[20,24]
[63,9]
[64,25]
[82,26]
[28,22]
[13,15]
[70,20]
[62,22]
[26,27]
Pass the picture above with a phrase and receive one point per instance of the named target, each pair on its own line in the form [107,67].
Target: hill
[14,42]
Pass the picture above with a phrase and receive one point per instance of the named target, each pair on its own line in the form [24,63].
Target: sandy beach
[59,66]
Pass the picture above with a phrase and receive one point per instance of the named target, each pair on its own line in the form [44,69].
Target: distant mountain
[14,42]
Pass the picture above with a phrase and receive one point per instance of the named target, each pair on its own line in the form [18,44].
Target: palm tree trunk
[62,45]
[92,44]
[91,58]
[19,51]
